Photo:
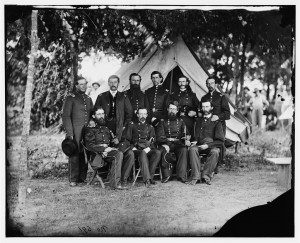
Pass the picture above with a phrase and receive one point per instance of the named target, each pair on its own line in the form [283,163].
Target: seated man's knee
[157,152]
[215,151]
[193,149]
[129,153]
[119,154]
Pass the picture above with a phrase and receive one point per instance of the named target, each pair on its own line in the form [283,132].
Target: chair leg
[135,178]
[93,177]
[133,170]
[101,182]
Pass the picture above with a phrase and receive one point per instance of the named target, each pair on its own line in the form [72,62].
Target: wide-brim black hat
[69,146]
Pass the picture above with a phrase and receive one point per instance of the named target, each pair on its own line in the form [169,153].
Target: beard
[206,113]
[135,86]
[142,119]
[172,115]
[100,121]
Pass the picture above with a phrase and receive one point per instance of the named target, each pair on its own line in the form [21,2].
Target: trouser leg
[128,162]
[115,157]
[74,167]
[144,162]
[259,117]
[181,155]
[195,163]
[154,157]
[211,162]
[83,167]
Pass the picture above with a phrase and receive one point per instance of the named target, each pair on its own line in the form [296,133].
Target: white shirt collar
[113,93]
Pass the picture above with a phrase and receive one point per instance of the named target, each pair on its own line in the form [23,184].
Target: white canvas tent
[180,55]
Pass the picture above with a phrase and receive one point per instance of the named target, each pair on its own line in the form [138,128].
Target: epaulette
[71,94]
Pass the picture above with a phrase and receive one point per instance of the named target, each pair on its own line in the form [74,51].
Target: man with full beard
[209,138]
[188,102]
[99,140]
[172,137]
[137,98]
[141,137]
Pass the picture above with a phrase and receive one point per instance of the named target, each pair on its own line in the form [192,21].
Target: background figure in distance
[258,103]
[244,104]
[209,138]
[158,98]
[141,137]
[77,110]
[99,140]
[137,98]
[117,107]
[188,103]
[94,92]
[172,136]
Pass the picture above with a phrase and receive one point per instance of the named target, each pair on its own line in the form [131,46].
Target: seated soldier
[209,138]
[172,136]
[99,139]
[141,137]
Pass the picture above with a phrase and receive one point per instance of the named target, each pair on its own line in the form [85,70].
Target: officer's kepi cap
[69,147]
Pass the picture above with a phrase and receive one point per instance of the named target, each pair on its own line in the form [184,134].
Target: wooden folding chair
[137,172]
[88,154]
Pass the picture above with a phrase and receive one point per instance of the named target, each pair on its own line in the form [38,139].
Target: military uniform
[118,111]
[220,106]
[77,110]
[187,101]
[141,136]
[206,130]
[158,99]
[97,139]
[175,130]
[138,100]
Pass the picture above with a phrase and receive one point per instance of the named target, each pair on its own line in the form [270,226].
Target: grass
[172,209]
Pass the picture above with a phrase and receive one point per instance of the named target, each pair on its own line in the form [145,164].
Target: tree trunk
[233,92]
[242,72]
[23,172]
[73,50]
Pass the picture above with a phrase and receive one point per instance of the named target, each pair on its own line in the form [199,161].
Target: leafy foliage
[228,42]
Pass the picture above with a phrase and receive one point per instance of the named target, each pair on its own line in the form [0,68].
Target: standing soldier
[221,110]
[117,107]
[188,102]
[137,98]
[76,114]
[99,140]
[158,98]
[172,137]
[141,136]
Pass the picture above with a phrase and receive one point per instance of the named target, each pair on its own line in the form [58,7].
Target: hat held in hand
[69,146]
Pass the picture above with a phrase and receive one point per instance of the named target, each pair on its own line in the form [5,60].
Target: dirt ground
[171,209]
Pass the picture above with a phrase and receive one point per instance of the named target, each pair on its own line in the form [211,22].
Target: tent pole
[171,81]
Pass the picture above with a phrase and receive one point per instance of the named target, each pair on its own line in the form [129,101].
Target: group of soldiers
[173,130]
